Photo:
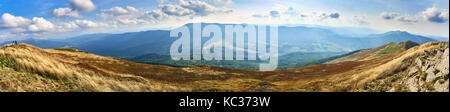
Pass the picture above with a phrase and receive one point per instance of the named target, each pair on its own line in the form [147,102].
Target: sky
[23,19]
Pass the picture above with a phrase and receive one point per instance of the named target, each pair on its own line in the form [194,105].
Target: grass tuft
[67,49]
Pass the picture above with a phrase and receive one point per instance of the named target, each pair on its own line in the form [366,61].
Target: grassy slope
[376,52]
[68,49]
[389,49]
[376,68]
[13,81]
[79,71]
[293,60]
[83,71]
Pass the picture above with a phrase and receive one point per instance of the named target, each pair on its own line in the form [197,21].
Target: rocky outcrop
[430,72]
[427,72]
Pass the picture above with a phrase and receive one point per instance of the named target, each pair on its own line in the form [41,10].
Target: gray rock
[419,62]
[412,84]
[413,72]
[442,87]
[427,73]
[446,52]
[434,65]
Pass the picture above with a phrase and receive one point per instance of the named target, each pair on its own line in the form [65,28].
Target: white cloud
[259,16]
[80,25]
[17,24]
[117,11]
[132,9]
[281,14]
[87,24]
[83,5]
[74,10]
[431,14]
[359,20]
[6,35]
[11,21]
[40,25]
[398,17]
[332,15]
[389,16]
[407,19]
[435,15]
[202,8]
[70,26]
[155,14]
[18,30]
[191,8]
[175,10]
[18,27]
[59,12]
[132,21]
[129,15]
[10,36]
[222,1]
[162,1]
[275,14]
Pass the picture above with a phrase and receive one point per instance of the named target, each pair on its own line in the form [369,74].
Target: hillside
[377,52]
[315,45]
[402,68]
[28,68]
[391,67]
[311,40]
[291,60]
[427,72]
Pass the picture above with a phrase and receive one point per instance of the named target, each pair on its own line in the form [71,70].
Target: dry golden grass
[369,67]
[373,69]
[378,52]
[65,67]
[54,70]
[397,63]
[13,81]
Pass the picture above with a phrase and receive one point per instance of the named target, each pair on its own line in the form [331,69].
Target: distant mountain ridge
[291,40]
[368,54]
[395,67]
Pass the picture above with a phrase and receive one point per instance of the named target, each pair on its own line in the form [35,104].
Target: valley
[316,45]
[385,68]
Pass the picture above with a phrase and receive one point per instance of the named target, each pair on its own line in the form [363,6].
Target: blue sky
[21,19]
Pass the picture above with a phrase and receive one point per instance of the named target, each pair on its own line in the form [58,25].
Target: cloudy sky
[21,19]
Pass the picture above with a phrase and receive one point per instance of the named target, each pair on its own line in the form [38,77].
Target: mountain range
[393,67]
[291,39]
[307,44]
